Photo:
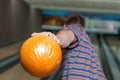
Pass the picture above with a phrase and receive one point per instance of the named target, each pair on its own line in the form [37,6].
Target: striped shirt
[80,62]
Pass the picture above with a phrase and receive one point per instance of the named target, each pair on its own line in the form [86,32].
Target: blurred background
[20,18]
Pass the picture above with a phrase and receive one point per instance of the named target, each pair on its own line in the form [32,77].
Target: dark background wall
[15,20]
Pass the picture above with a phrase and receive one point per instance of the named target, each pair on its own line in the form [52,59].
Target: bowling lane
[115,45]
[17,73]
[9,50]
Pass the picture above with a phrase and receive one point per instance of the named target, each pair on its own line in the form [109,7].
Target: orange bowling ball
[40,56]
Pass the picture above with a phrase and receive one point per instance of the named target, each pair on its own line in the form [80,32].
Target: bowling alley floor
[9,50]
[16,72]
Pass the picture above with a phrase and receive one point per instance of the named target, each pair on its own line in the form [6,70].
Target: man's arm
[65,37]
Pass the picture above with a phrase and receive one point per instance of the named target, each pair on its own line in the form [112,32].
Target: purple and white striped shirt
[80,62]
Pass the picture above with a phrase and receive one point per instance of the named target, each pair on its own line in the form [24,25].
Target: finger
[57,40]
[54,37]
[41,33]
[45,33]
[34,34]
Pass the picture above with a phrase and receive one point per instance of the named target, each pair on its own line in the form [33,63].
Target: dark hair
[75,19]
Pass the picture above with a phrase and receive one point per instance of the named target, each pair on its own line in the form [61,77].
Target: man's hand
[47,34]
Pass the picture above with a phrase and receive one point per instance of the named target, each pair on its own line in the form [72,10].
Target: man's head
[75,19]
